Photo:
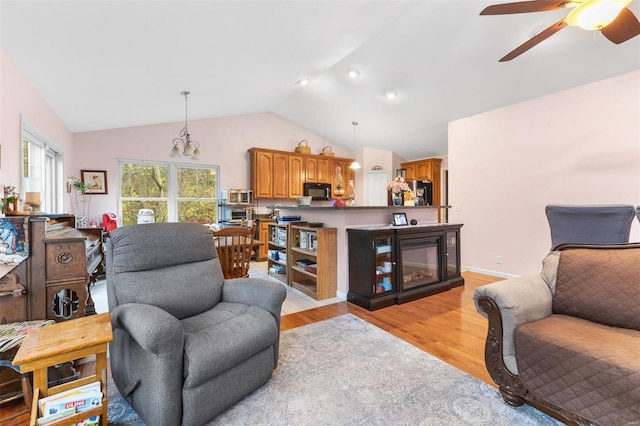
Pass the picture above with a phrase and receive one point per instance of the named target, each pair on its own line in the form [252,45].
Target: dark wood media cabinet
[392,265]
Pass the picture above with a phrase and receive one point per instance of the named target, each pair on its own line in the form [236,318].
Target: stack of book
[66,404]
[278,269]
[280,236]
[287,218]
[308,265]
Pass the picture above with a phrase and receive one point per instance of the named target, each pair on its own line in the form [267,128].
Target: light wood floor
[445,325]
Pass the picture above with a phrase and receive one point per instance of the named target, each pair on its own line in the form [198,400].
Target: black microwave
[317,191]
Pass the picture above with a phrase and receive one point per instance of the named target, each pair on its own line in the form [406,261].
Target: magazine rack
[62,342]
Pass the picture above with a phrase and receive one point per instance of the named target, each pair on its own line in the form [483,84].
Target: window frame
[52,186]
[172,186]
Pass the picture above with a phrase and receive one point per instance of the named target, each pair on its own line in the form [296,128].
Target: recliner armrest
[266,294]
[155,330]
[520,300]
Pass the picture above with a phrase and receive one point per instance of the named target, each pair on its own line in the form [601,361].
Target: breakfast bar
[343,218]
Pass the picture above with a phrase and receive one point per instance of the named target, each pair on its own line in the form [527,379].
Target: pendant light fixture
[190,148]
[355,164]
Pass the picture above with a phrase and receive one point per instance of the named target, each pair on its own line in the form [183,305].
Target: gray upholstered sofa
[568,340]
[187,344]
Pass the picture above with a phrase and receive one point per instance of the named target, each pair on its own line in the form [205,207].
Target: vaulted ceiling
[111,64]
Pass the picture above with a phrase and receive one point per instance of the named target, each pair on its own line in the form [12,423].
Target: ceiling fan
[612,17]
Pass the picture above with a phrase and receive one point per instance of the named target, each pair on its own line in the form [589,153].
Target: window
[42,168]
[174,192]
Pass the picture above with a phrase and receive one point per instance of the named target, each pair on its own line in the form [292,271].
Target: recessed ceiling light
[353,73]
[303,82]
[390,94]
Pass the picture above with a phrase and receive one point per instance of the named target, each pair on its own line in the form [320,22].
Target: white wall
[223,142]
[18,99]
[580,146]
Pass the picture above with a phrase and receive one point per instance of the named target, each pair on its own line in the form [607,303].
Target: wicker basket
[327,151]
[303,149]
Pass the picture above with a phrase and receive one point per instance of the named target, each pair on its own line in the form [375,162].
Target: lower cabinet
[390,265]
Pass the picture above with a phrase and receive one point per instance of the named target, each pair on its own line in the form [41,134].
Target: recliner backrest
[589,224]
[173,266]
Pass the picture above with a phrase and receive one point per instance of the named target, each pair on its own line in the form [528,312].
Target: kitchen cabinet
[312,260]
[311,169]
[296,175]
[280,174]
[409,171]
[263,235]
[323,173]
[262,174]
[423,171]
[428,169]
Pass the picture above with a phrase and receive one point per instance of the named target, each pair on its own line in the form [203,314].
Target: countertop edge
[295,207]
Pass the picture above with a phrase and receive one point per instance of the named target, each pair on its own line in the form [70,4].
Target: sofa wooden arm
[511,387]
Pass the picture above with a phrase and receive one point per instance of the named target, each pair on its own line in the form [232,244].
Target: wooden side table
[62,342]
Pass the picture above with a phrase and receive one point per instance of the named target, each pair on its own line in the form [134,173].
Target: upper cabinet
[429,170]
[280,174]
[262,174]
[296,175]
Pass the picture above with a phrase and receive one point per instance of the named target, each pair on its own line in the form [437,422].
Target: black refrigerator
[423,191]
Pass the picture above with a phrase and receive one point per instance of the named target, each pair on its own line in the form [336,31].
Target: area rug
[345,371]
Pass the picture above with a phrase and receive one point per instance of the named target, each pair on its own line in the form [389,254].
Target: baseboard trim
[489,272]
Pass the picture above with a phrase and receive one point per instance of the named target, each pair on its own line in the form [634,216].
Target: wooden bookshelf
[318,247]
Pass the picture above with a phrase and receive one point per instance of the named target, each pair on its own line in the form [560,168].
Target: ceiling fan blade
[541,36]
[623,28]
[525,7]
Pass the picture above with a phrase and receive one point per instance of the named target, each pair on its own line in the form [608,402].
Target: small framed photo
[96,181]
[400,219]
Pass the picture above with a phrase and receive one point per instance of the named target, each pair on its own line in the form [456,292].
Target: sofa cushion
[601,285]
[587,368]
[223,337]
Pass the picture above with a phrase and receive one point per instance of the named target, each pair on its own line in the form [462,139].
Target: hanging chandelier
[190,148]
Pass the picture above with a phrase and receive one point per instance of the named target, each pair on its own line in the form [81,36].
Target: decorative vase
[397,199]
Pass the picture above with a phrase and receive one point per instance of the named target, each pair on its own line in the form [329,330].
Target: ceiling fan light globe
[596,14]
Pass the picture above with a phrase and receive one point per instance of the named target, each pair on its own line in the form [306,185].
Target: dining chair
[234,250]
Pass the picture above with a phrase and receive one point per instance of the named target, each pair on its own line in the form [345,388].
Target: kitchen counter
[327,208]
[342,218]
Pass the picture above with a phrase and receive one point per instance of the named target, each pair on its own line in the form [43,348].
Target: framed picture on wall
[96,181]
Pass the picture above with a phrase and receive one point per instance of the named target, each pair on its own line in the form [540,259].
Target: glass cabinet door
[453,264]
[384,263]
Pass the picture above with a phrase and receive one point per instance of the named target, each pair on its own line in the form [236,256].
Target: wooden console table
[62,342]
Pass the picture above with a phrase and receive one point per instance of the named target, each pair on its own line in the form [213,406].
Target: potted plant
[80,200]
[9,199]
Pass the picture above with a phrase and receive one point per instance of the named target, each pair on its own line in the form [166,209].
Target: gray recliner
[598,224]
[186,343]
